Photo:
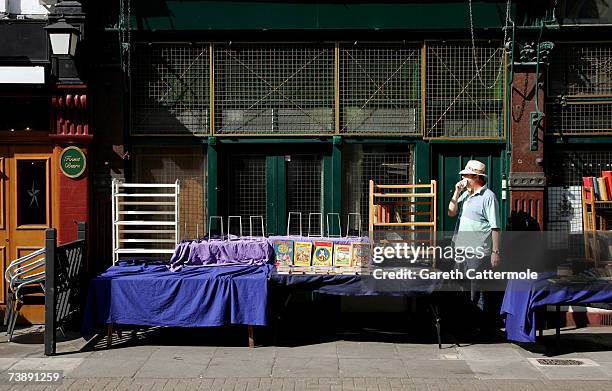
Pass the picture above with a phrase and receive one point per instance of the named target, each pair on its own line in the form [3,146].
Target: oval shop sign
[72,162]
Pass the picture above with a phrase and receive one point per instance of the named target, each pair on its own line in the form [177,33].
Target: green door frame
[496,165]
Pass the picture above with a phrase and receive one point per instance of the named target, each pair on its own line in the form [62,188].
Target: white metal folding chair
[23,273]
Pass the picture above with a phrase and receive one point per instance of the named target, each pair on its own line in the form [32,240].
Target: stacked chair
[24,276]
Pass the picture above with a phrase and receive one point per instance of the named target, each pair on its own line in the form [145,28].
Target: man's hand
[459,186]
[495,260]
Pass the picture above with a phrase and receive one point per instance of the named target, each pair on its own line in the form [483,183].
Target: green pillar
[332,182]
[422,170]
[276,183]
[213,171]
[422,162]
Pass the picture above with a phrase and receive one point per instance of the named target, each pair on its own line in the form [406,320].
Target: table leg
[109,335]
[251,336]
[558,328]
[540,318]
[436,314]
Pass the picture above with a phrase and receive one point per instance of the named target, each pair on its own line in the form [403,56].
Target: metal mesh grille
[188,165]
[274,89]
[247,192]
[380,88]
[385,165]
[564,208]
[458,103]
[587,118]
[305,187]
[170,89]
[581,69]
[566,168]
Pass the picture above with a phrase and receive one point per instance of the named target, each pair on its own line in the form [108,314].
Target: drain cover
[559,361]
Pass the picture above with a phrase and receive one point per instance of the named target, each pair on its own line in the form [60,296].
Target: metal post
[558,328]
[82,235]
[81,230]
[50,299]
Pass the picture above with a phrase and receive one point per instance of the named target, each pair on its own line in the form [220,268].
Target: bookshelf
[403,209]
[594,213]
[596,217]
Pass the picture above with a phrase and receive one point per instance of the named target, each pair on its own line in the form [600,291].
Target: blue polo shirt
[478,215]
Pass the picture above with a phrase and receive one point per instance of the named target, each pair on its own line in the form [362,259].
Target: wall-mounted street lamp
[64,38]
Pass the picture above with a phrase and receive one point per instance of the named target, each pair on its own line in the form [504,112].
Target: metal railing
[65,266]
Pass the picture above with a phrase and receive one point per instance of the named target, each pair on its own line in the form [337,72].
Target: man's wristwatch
[495,252]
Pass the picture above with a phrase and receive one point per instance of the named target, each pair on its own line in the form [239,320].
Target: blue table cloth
[152,295]
[523,297]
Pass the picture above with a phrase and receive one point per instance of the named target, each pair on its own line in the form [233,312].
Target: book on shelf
[603,192]
[596,189]
[608,179]
[322,255]
[398,215]
[587,182]
[302,252]
[342,254]
[283,250]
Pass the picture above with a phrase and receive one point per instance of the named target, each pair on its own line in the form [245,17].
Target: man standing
[478,231]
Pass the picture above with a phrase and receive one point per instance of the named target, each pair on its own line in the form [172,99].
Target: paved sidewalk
[179,359]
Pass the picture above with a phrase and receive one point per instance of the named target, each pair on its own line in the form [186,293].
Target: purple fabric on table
[221,252]
[297,238]
[523,297]
[151,295]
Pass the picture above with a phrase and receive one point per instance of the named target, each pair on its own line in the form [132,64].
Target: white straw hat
[474,167]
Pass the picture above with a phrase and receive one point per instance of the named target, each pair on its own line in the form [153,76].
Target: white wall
[28,7]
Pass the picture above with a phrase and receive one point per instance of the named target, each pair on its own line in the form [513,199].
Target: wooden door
[4,224]
[451,160]
[28,209]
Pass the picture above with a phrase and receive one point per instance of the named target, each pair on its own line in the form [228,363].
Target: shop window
[155,164]
[580,90]
[247,189]
[21,115]
[465,91]
[380,88]
[384,164]
[565,169]
[274,88]
[32,192]
[170,89]
[305,189]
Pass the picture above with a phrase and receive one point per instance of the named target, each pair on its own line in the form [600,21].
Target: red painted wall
[73,203]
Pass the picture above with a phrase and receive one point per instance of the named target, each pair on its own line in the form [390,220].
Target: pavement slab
[488,353]
[306,367]
[501,369]
[316,350]
[236,367]
[349,349]
[181,362]
[368,367]
[418,368]
[337,365]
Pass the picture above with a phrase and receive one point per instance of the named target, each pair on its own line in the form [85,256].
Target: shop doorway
[449,161]
[26,205]
[271,186]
